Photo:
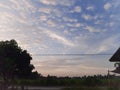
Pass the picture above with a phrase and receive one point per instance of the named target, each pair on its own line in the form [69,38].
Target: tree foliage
[14,62]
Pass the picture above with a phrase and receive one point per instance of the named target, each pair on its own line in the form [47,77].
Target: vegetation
[96,82]
[85,81]
[14,63]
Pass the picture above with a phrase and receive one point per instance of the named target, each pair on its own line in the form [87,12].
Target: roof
[116,71]
[116,56]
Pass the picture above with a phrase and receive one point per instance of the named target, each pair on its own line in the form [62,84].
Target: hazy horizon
[73,66]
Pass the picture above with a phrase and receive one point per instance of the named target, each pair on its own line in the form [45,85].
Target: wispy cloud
[59,38]
[109,43]
[57,2]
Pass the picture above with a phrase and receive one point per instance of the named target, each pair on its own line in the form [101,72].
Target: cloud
[91,8]
[20,11]
[67,19]
[86,17]
[4,6]
[43,18]
[116,3]
[109,44]
[49,2]
[5,18]
[57,2]
[74,25]
[78,24]
[45,10]
[22,5]
[92,29]
[99,16]
[76,9]
[102,44]
[51,23]
[110,24]
[66,32]
[98,22]
[107,6]
[59,38]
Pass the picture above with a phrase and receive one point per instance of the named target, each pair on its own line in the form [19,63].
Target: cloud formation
[107,6]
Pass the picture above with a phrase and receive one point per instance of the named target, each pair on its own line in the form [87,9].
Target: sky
[49,27]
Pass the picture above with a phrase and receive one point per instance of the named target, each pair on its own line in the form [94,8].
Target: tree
[14,63]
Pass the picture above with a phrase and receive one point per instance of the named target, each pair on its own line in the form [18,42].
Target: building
[116,58]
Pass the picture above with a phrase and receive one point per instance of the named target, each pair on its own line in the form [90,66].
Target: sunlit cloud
[86,17]
[107,6]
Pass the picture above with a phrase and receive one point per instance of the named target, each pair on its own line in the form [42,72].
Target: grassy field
[74,83]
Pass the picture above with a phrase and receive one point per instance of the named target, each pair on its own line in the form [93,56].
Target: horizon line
[87,54]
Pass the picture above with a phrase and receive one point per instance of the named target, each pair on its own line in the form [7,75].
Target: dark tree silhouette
[14,63]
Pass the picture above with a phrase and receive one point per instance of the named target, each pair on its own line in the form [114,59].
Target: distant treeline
[96,80]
